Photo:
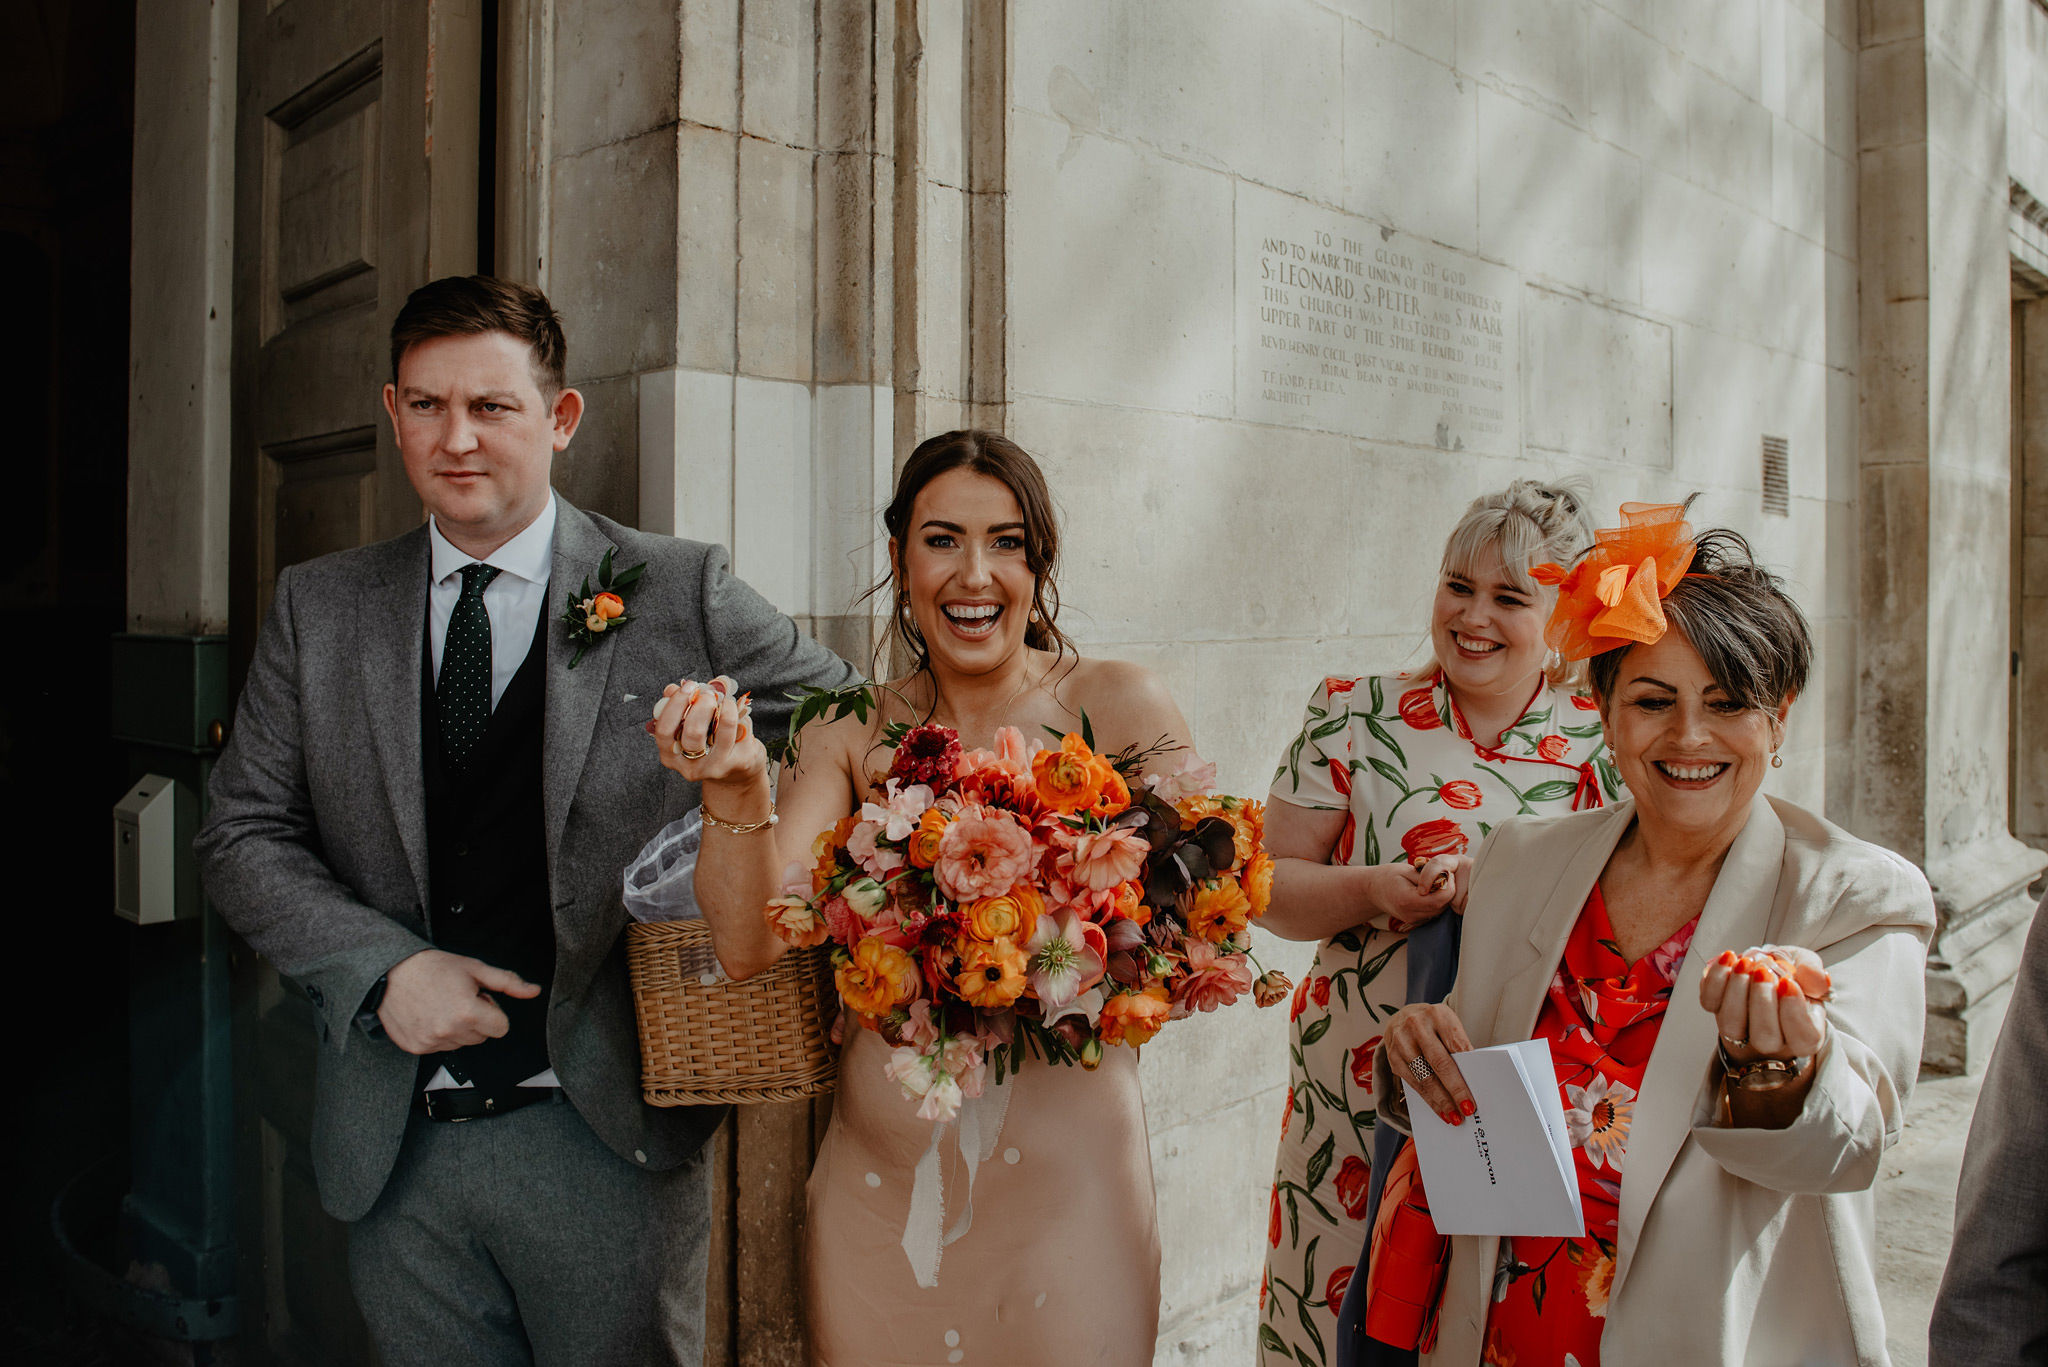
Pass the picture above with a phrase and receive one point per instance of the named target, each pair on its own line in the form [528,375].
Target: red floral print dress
[1394,754]
[1601,1016]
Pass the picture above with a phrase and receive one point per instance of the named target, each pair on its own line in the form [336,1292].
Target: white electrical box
[153,828]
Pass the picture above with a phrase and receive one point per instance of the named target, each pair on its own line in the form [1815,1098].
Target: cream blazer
[1736,1246]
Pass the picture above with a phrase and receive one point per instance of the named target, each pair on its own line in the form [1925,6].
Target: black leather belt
[455,1104]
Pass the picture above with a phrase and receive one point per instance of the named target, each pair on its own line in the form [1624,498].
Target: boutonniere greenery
[590,615]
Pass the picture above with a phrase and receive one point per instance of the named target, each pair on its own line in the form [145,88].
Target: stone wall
[1628,228]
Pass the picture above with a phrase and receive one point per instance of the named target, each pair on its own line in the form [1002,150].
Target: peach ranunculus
[989,976]
[1134,1017]
[1257,879]
[1218,910]
[923,845]
[877,978]
[981,854]
[1068,779]
[1114,795]
[1011,915]
[1212,979]
[608,606]
[1102,859]
[1011,756]
[795,922]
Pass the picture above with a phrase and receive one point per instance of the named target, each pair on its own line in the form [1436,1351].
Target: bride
[1060,1264]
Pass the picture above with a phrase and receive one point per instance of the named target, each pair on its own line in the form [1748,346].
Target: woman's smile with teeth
[1476,645]
[1690,773]
[972,619]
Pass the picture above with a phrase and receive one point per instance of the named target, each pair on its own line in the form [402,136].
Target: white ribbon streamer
[980,1128]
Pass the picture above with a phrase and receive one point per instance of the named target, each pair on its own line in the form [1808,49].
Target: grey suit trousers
[523,1239]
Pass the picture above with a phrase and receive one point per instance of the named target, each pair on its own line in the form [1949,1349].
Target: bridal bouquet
[1029,897]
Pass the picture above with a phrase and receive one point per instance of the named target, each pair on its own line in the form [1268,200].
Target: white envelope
[1508,1169]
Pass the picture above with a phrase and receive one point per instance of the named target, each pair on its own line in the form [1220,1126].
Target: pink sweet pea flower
[1012,755]
[897,814]
[1213,979]
[1190,778]
[873,858]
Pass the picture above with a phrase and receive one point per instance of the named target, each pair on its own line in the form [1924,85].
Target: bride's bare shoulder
[1122,698]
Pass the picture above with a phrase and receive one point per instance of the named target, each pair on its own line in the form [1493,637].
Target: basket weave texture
[766,1039]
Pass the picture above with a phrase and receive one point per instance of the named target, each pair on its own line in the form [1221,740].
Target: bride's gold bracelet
[738,827]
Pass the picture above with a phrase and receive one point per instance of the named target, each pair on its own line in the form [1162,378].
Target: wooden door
[356,174]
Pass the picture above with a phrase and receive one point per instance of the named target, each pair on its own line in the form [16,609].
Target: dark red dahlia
[928,754]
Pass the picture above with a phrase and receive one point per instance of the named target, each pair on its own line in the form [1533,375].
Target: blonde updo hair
[1526,524]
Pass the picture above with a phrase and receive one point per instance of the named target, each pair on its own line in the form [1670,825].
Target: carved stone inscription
[1349,327]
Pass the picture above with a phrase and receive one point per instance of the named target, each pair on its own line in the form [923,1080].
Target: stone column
[1933,498]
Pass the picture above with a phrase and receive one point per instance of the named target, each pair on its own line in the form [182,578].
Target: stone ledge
[1985,912]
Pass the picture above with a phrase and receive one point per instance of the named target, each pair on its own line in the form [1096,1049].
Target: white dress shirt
[514,601]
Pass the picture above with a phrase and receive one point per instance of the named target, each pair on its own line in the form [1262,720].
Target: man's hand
[436,1001]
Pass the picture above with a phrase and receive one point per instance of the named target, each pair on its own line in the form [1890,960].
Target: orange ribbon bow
[1615,595]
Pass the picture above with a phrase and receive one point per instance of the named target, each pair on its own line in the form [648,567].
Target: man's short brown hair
[465,305]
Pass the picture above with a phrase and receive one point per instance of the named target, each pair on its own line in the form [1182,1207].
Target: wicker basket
[766,1039]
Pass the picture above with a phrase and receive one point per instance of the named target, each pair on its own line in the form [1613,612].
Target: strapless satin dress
[1060,1267]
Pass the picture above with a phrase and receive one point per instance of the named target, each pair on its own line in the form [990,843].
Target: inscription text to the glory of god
[1348,327]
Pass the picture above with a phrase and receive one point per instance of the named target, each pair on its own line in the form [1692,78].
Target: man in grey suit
[422,818]
[1993,1306]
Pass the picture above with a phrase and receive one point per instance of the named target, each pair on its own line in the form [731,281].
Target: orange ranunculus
[923,845]
[989,975]
[1219,909]
[1114,794]
[1067,779]
[1193,809]
[1012,915]
[1129,903]
[1134,1017]
[608,606]
[878,977]
[1258,883]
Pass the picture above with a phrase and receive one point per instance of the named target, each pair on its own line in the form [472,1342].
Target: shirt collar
[529,555]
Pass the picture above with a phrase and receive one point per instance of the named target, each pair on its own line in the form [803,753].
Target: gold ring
[692,754]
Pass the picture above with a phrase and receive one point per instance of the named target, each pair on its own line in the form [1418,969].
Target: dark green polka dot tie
[463,692]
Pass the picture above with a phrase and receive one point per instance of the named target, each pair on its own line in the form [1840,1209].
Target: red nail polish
[1786,987]
[1449,1117]
[1468,1108]
[1727,959]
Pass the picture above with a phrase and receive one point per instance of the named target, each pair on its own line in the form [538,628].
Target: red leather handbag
[1404,1280]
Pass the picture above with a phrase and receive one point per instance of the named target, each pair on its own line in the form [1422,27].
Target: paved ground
[1916,1202]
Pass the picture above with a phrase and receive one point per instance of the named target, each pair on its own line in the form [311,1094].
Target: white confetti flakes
[874,1179]
[1011,1156]
[952,1338]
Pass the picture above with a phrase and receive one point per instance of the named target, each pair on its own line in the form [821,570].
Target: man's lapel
[391,631]
[1737,916]
[574,696]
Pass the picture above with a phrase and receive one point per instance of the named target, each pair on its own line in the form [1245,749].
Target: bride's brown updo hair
[994,455]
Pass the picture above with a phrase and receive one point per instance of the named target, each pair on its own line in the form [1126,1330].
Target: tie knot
[476,577]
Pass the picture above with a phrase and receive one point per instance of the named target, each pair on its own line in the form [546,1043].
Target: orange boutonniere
[590,615]
[1615,595]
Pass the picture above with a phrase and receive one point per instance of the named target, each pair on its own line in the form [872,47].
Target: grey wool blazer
[1993,1306]
[315,846]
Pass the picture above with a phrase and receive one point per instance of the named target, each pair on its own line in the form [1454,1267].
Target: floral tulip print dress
[1393,753]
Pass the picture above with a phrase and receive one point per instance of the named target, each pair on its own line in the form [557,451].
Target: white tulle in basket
[661,885]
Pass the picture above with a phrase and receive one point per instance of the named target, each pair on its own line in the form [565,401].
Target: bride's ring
[1731,1042]
[693,754]
[1420,1067]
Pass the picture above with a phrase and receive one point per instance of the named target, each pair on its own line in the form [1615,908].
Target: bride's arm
[737,874]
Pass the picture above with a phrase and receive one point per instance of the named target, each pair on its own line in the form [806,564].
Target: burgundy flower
[928,754]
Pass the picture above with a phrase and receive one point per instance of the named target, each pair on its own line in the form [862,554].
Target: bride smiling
[1055,1256]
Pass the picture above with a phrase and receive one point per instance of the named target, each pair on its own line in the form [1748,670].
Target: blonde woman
[1392,780]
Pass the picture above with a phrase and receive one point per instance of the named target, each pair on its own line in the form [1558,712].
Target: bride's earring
[1777,760]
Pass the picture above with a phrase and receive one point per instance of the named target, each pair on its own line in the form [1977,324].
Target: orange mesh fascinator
[1615,595]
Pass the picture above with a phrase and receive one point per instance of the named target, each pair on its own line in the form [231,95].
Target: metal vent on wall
[1777,476]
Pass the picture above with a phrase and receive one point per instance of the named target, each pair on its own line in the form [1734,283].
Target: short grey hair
[1751,636]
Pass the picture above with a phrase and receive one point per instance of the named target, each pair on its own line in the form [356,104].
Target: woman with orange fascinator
[1731,989]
